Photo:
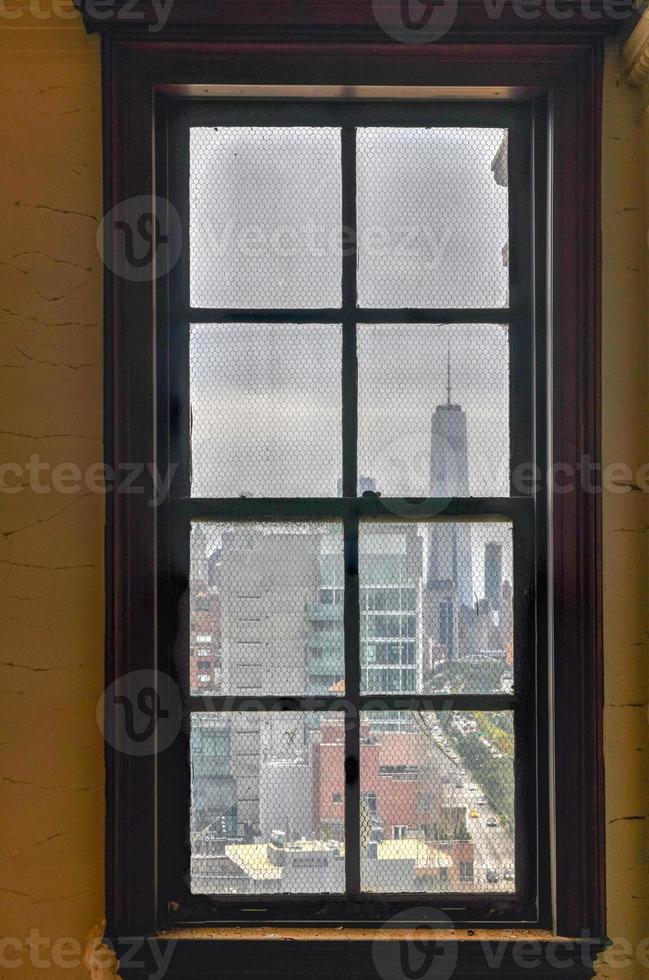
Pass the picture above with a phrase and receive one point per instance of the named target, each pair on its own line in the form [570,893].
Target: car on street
[508,874]
[474,813]
[491,875]
[492,822]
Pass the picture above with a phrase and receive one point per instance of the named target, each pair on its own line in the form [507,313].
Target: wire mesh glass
[265,217]
[433,409]
[267,803]
[437,802]
[266,614]
[432,217]
[266,599]
[266,409]
[436,607]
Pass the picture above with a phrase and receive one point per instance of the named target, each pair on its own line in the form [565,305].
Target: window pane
[265,213]
[433,415]
[267,808]
[258,622]
[266,409]
[437,801]
[432,217]
[448,623]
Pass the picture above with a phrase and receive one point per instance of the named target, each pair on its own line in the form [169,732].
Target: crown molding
[636,52]
[469,21]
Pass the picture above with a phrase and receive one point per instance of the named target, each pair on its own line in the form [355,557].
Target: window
[554,618]
[345,335]
[466,871]
[446,627]
[370,802]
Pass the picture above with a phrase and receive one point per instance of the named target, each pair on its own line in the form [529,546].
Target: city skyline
[436,805]
[262,430]
[267,617]
[435,597]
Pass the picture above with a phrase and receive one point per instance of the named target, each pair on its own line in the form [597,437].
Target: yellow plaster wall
[51,543]
[51,549]
[625,520]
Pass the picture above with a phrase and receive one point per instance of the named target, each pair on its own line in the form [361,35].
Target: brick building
[403,796]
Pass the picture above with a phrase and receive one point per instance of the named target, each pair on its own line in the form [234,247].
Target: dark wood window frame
[557,70]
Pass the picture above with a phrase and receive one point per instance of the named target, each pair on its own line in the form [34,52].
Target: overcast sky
[265,232]
[266,208]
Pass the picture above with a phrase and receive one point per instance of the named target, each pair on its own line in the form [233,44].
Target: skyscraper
[449,545]
[199,572]
[390,611]
[493,573]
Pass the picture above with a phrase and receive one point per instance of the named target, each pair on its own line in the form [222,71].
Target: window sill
[356,934]
[355,953]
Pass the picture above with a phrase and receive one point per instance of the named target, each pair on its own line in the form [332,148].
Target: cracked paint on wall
[625,438]
[51,544]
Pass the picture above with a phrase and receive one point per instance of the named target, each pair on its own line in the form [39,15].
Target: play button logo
[415,21]
[417,957]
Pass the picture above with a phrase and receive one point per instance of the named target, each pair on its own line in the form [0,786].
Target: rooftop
[410,849]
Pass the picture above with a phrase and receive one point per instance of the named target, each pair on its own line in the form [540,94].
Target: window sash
[523,511]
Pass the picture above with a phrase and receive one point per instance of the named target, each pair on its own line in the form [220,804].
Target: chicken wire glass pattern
[266,614]
[267,803]
[265,217]
[437,802]
[432,217]
[436,607]
[433,411]
[266,409]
